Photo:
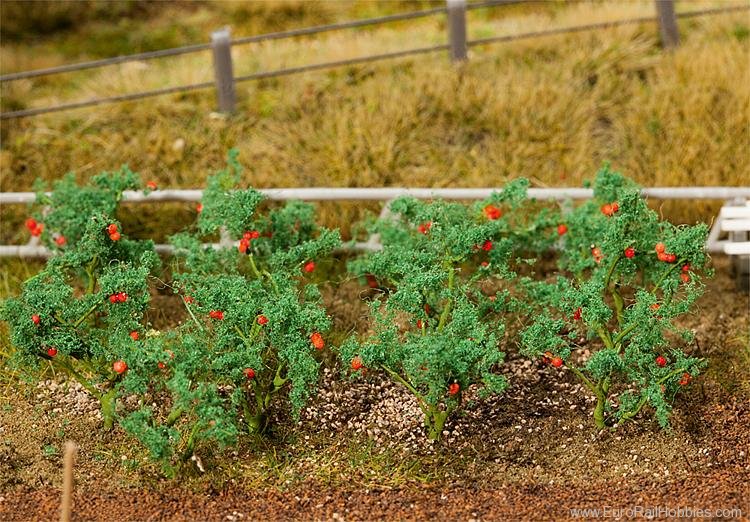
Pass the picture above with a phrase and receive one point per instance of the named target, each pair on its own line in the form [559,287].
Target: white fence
[715,244]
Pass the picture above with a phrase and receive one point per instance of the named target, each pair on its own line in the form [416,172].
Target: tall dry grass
[551,109]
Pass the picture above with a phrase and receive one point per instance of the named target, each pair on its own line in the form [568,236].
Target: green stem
[278,380]
[254,268]
[619,304]
[670,375]
[605,337]
[272,281]
[611,271]
[80,378]
[192,315]
[90,273]
[242,335]
[109,407]
[619,338]
[435,422]
[589,384]
[191,442]
[84,316]
[449,305]
[420,398]
[601,401]
[632,413]
[174,415]
[665,274]
[258,274]
[599,390]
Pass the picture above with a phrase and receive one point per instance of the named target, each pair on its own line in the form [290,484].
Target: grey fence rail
[221,44]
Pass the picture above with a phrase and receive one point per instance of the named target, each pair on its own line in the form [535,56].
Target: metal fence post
[221,45]
[457,29]
[670,35]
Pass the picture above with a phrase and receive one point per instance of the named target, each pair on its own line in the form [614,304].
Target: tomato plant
[627,276]
[437,334]
[61,217]
[79,313]
[256,321]
[448,279]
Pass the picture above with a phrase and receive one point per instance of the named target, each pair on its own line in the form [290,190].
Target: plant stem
[619,337]
[605,337]
[174,415]
[253,267]
[80,378]
[84,316]
[192,315]
[632,413]
[578,373]
[611,271]
[109,407]
[619,303]
[449,305]
[422,402]
[665,274]
[601,401]
[435,422]
[191,442]
[599,390]
[90,273]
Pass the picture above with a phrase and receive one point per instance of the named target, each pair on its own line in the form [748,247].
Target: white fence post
[221,45]
[457,29]
[670,35]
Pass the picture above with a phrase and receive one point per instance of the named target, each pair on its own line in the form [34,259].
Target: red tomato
[492,212]
[317,341]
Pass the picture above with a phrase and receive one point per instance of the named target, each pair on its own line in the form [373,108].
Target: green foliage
[79,313]
[437,334]
[68,210]
[627,296]
[447,280]
[255,319]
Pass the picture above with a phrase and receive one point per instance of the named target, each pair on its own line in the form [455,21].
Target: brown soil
[713,491]
[530,454]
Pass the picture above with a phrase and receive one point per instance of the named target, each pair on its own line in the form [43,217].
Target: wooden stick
[67,492]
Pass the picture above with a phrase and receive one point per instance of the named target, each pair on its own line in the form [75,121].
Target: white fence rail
[34,249]
[389,193]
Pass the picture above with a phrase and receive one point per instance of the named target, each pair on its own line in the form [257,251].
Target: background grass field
[551,109]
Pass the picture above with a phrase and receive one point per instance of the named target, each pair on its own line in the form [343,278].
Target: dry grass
[551,109]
